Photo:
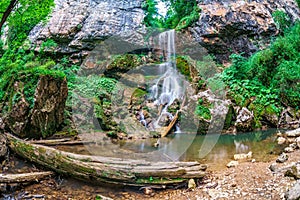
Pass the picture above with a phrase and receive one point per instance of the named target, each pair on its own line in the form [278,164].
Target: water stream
[170,85]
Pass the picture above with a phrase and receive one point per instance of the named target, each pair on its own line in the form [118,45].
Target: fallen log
[98,169]
[65,141]
[24,178]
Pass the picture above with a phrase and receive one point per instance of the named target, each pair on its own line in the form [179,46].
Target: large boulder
[236,26]
[47,113]
[76,25]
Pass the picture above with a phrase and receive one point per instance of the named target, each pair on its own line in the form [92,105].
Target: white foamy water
[170,85]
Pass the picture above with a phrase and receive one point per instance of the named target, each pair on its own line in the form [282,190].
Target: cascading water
[169,86]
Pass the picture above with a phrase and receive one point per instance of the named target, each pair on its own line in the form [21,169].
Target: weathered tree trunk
[24,178]
[107,170]
[55,142]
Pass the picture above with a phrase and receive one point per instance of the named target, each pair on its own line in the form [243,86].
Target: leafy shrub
[202,110]
[26,15]
[24,68]
[180,14]
[270,78]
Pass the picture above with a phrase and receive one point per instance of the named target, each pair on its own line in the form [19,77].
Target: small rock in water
[282,158]
[281,140]
[232,163]
[192,184]
[243,156]
[294,192]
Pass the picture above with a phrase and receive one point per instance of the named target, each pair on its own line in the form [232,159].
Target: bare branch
[7,12]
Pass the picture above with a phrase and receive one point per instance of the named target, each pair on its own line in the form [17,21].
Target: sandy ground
[246,181]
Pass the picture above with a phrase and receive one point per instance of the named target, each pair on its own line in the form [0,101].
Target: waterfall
[169,86]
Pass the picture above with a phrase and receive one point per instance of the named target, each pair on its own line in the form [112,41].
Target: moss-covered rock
[47,114]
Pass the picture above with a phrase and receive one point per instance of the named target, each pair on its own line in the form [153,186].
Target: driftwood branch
[171,125]
[24,178]
[98,169]
[174,120]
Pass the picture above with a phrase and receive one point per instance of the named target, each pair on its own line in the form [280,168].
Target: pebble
[282,158]
[191,184]
[281,140]
[232,163]
[289,149]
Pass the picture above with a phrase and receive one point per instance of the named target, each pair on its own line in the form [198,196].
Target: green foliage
[94,86]
[180,14]
[26,15]
[48,45]
[18,66]
[216,85]
[125,62]
[298,3]
[281,19]
[152,18]
[270,78]
[202,110]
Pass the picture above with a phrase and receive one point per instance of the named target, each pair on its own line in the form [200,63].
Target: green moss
[122,63]
[183,67]
[138,96]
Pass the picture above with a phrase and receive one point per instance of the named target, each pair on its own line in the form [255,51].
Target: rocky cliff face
[224,27]
[235,26]
[77,25]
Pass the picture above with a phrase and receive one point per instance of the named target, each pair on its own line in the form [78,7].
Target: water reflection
[188,147]
[261,143]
